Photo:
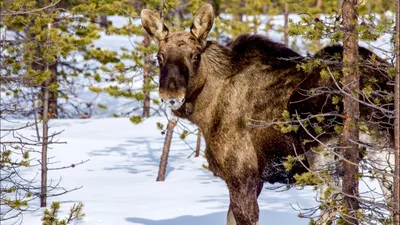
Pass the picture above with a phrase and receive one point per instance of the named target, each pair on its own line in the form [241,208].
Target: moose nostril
[171,102]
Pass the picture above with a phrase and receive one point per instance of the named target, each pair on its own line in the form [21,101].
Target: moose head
[180,54]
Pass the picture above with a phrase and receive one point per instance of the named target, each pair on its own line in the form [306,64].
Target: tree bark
[286,24]
[317,42]
[318,4]
[396,197]
[165,152]
[43,188]
[351,110]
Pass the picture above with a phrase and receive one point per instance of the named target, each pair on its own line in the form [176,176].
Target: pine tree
[36,38]
[351,153]
[50,216]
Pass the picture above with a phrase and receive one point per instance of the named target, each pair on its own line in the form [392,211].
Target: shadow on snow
[142,155]
[266,217]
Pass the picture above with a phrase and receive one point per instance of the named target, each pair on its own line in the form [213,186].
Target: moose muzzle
[175,103]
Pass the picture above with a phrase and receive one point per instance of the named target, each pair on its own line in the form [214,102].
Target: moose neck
[202,102]
[217,61]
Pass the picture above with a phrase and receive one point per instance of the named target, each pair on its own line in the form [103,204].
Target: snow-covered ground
[119,187]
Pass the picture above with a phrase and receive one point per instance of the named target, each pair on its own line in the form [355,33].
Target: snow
[119,187]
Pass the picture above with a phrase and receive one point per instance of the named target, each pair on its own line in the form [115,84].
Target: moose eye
[160,58]
[196,57]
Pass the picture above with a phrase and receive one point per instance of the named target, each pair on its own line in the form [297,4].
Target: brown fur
[225,87]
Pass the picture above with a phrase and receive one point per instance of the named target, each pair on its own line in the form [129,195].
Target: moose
[221,88]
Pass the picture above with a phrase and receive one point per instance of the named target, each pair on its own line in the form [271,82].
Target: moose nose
[175,103]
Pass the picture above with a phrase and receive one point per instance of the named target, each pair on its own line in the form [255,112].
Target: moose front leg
[243,203]
[237,160]
[243,207]
[231,218]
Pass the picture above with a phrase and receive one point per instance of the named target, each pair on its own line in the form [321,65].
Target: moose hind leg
[231,218]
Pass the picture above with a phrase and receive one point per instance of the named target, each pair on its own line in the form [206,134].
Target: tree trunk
[52,110]
[52,81]
[317,43]
[318,4]
[45,131]
[396,197]
[165,152]
[146,78]
[43,188]
[53,107]
[198,144]
[286,24]
[351,110]
[239,16]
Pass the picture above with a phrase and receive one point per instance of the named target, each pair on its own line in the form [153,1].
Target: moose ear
[153,25]
[202,22]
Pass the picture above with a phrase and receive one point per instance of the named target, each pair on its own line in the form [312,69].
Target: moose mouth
[175,103]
